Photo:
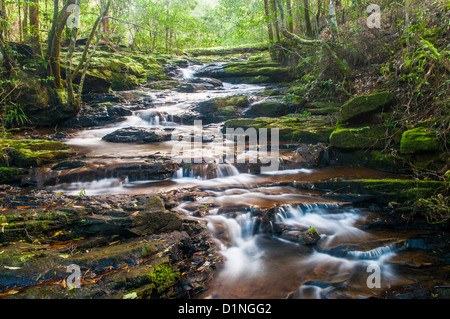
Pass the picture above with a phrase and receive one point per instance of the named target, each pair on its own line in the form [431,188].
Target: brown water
[262,264]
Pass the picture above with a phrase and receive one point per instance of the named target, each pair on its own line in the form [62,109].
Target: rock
[68,165]
[358,108]
[140,135]
[269,108]
[313,129]
[419,140]
[366,137]
[99,115]
[25,153]
[246,72]
[221,109]
[10,175]
[119,72]
[385,190]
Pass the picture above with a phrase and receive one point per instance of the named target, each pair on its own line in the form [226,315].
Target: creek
[259,220]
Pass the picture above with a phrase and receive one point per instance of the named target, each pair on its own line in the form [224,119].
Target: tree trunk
[309,32]
[290,18]
[75,101]
[54,42]
[34,27]
[5,59]
[319,12]
[269,24]
[274,16]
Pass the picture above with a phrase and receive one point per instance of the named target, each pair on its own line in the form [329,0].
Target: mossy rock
[120,72]
[366,137]
[259,71]
[385,190]
[221,109]
[357,108]
[271,108]
[370,159]
[9,175]
[420,139]
[25,153]
[291,129]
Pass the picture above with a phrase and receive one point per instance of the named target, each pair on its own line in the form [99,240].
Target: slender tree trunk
[309,32]
[290,17]
[54,41]
[269,24]
[5,58]
[34,25]
[319,13]
[75,101]
[25,21]
[19,8]
[274,16]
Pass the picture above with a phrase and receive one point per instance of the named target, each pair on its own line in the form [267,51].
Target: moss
[358,138]
[259,71]
[9,175]
[291,129]
[418,140]
[26,153]
[358,107]
[124,72]
[164,276]
[385,190]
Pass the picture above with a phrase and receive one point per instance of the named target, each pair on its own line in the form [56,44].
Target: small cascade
[206,171]
[373,254]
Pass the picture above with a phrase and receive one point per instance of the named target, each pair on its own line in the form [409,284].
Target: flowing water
[262,259]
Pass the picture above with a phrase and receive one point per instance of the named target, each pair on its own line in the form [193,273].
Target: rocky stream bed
[105,193]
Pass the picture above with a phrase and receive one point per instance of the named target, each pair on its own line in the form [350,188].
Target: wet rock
[221,109]
[269,108]
[140,135]
[99,115]
[66,165]
[312,129]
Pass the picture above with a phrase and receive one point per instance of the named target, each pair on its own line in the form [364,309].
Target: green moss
[164,276]
[26,153]
[9,175]
[418,140]
[385,190]
[124,72]
[358,107]
[291,129]
[358,138]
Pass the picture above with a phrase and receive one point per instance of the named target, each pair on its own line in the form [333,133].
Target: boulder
[140,135]
[221,109]
[358,108]
[312,129]
[358,138]
[419,140]
[269,108]
[26,153]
